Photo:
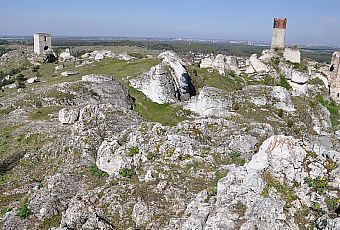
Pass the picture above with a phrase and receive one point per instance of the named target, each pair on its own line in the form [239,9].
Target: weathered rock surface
[168,82]
[68,116]
[221,63]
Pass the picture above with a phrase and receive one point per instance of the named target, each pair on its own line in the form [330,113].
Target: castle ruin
[279,33]
[335,77]
[42,43]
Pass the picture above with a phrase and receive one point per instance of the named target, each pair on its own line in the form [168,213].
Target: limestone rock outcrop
[167,82]
[221,63]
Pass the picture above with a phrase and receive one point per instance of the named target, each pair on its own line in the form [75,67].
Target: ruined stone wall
[42,43]
[279,33]
[335,77]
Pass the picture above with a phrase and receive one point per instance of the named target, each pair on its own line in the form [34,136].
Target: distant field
[320,54]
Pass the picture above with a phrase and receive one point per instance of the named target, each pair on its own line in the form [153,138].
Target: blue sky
[309,21]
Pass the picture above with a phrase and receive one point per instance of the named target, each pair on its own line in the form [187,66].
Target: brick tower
[279,33]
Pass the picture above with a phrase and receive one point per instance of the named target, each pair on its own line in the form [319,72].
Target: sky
[309,21]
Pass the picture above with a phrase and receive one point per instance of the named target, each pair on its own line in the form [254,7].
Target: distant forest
[320,54]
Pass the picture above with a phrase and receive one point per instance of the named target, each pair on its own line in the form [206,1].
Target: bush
[24,211]
[125,172]
[95,171]
[319,184]
[151,156]
[133,151]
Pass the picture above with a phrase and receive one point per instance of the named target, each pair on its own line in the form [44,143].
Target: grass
[236,158]
[201,77]
[44,113]
[165,114]
[286,191]
[125,172]
[320,185]
[51,222]
[95,171]
[333,108]
[24,211]
[133,151]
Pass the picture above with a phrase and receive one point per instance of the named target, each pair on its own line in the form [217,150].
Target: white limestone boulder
[258,65]
[292,54]
[68,116]
[95,78]
[210,102]
[167,82]
[110,158]
[66,56]
[32,80]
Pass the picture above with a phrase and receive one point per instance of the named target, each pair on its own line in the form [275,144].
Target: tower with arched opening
[42,43]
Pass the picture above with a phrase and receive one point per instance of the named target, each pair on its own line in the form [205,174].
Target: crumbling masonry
[42,43]
[335,77]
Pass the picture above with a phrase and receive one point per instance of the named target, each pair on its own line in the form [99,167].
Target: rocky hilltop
[156,143]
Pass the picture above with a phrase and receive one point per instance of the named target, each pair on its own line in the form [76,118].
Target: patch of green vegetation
[51,222]
[311,154]
[229,83]
[44,113]
[59,96]
[165,114]
[330,165]
[133,151]
[240,208]
[95,171]
[302,66]
[316,81]
[236,158]
[125,172]
[212,191]
[332,204]
[6,111]
[333,108]
[284,83]
[316,207]
[4,210]
[151,156]
[286,191]
[320,184]
[24,211]
[113,183]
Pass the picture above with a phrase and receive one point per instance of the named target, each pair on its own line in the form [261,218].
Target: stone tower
[42,43]
[335,77]
[279,33]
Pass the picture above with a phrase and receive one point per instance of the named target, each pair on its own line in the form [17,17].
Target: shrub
[125,172]
[133,151]
[151,156]
[95,171]
[24,211]
[319,184]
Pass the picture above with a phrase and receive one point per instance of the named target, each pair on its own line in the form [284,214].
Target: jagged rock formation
[167,82]
[221,63]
